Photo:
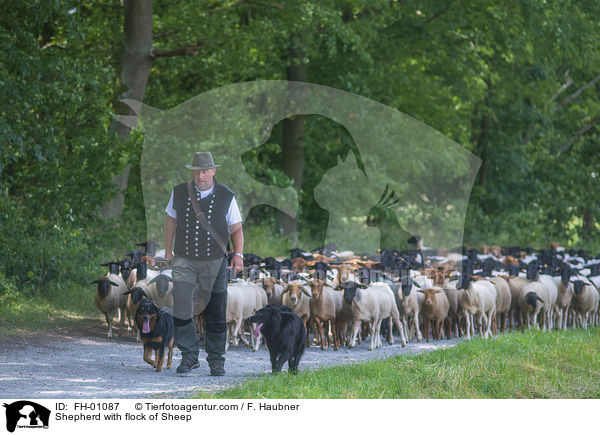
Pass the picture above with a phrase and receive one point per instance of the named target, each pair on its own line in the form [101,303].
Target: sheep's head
[429,295]
[104,286]
[294,291]
[316,286]
[349,288]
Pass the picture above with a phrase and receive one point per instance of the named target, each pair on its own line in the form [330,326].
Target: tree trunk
[135,69]
[588,224]
[292,144]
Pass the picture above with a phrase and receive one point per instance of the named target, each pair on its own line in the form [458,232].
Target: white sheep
[533,299]
[479,298]
[372,304]
[243,300]
[585,302]
[110,299]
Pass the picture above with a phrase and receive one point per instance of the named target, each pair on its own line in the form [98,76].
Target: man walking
[202,215]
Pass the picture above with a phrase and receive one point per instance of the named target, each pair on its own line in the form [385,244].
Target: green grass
[64,306]
[528,364]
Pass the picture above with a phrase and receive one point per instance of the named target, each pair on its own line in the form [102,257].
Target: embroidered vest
[191,240]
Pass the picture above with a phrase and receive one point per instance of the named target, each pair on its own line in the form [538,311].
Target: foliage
[514,82]
[530,365]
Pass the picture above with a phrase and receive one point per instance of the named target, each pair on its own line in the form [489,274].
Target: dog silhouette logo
[26,414]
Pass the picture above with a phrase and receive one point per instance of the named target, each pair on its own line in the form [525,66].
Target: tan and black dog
[156,329]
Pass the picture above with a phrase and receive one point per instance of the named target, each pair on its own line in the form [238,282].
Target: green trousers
[204,283]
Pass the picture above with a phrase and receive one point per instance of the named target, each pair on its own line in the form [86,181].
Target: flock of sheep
[342,297]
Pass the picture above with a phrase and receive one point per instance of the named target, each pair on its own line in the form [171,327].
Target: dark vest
[191,240]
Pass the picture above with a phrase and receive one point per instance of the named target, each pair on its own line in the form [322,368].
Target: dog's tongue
[257,330]
[146,327]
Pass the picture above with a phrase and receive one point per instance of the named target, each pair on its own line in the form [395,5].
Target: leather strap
[200,217]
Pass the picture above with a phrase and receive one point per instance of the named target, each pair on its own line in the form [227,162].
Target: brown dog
[156,328]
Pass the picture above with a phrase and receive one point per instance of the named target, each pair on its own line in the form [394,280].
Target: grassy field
[530,364]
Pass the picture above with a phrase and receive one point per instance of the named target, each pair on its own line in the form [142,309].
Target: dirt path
[82,363]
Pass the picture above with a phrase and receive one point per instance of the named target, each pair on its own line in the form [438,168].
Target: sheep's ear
[362,286]
[144,294]
[305,292]
[128,292]
[95,282]
[285,290]
[539,299]
[436,291]
[421,291]
[112,283]
[327,285]
[280,282]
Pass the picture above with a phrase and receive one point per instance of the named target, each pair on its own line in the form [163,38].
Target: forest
[515,83]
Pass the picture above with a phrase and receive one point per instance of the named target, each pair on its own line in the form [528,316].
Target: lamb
[243,300]
[324,304]
[585,302]
[435,309]
[110,298]
[372,304]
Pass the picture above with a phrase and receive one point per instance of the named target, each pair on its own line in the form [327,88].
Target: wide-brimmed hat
[202,161]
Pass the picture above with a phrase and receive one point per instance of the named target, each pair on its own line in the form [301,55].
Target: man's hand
[169,256]
[237,264]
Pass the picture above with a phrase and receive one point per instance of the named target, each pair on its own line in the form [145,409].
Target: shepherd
[202,215]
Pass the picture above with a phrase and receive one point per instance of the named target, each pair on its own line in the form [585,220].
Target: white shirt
[233,213]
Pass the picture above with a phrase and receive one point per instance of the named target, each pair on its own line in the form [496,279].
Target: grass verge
[529,364]
[67,306]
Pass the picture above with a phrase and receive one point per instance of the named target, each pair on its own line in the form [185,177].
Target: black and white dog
[284,333]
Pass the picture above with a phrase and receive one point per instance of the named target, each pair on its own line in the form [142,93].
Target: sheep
[273,287]
[565,296]
[243,300]
[585,302]
[552,293]
[516,284]
[324,304]
[503,301]
[296,296]
[159,290]
[534,299]
[409,302]
[478,298]
[435,309]
[454,296]
[110,298]
[372,304]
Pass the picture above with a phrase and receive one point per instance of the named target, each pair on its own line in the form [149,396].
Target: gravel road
[82,363]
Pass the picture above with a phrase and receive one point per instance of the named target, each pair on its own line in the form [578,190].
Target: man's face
[204,178]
